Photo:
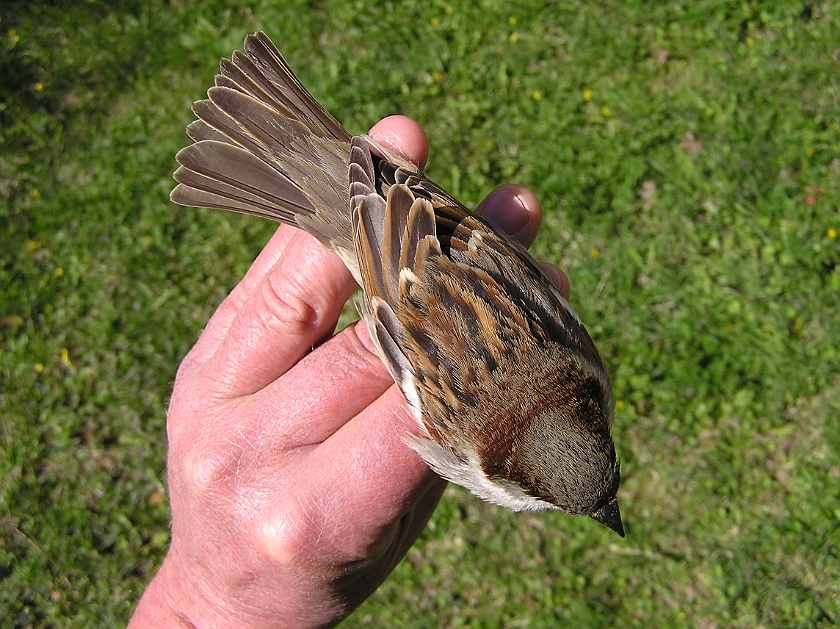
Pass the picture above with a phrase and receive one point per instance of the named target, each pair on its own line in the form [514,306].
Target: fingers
[403,136]
[220,323]
[321,393]
[289,310]
[514,210]
[380,476]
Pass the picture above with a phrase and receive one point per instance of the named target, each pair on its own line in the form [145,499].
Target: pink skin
[293,495]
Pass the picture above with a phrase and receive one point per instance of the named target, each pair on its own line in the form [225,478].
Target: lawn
[687,156]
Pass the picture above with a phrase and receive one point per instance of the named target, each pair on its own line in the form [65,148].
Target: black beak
[609,516]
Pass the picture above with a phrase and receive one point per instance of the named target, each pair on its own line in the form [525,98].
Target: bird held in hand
[512,398]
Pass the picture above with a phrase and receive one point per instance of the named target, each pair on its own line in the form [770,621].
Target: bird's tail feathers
[265,146]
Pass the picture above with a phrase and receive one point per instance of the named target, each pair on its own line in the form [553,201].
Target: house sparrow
[512,398]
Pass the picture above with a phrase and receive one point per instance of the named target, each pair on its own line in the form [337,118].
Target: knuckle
[282,303]
[206,473]
[213,468]
[289,539]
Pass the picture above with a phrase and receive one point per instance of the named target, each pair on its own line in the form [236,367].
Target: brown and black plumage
[512,397]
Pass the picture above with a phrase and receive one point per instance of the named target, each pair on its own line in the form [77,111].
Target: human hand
[292,493]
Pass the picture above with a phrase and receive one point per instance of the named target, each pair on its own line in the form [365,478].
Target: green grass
[688,160]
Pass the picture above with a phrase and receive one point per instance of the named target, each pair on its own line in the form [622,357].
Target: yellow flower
[594,252]
[447,9]
[512,20]
[59,272]
[832,233]
[437,76]
[39,87]
[587,95]
[750,41]
[34,245]
[514,37]
[619,404]
[434,21]
[536,95]
[606,111]
[39,367]
[65,356]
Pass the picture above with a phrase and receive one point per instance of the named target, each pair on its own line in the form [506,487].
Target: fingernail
[388,143]
[505,211]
